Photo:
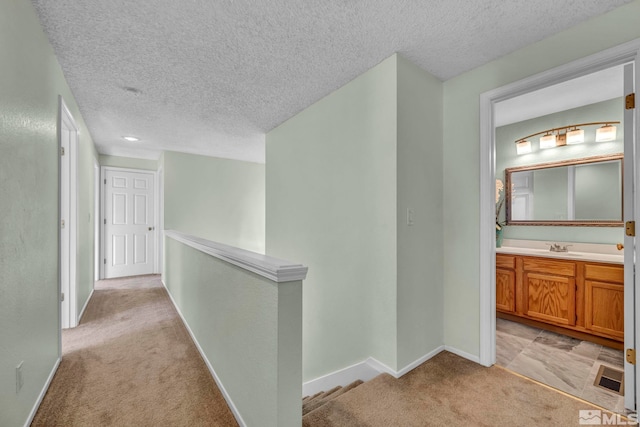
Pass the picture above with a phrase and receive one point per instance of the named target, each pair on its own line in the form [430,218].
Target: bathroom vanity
[580,294]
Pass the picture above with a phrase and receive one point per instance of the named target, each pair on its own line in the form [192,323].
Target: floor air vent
[610,379]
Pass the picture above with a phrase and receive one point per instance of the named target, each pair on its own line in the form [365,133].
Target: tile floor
[559,361]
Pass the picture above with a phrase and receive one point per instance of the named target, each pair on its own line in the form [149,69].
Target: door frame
[103,171]
[160,221]
[96,222]
[65,118]
[618,55]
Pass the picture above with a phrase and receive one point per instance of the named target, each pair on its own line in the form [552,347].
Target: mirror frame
[590,223]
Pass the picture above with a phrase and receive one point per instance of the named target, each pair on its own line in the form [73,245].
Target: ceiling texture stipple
[212,77]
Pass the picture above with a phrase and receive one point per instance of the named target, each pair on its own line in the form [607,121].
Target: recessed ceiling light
[131,138]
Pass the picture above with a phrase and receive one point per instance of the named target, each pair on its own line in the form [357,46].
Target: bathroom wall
[506,157]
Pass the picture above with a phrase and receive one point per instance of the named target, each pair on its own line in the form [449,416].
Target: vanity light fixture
[547,141]
[567,135]
[131,138]
[606,133]
[523,147]
[575,136]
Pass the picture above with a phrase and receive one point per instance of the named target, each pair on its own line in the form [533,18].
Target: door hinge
[630,228]
[630,101]
[62,151]
[62,223]
[62,296]
[631,356]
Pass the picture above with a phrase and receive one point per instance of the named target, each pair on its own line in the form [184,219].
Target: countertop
[573,255]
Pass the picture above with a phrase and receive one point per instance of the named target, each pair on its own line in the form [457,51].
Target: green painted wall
[128,162]
[419,179]
[461,154]
[506,157]
[331,192]
[217,199]
[340,177]
[29,300]
[249,328]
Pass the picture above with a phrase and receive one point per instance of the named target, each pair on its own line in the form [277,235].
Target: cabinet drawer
[543,265]
[604,273]
[505,261]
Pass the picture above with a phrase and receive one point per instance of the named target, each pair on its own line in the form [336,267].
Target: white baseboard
[365,371]
[86,303]
[419,361]
[359,371]
[226,396]
[397,374]
[468,356]
[43,392]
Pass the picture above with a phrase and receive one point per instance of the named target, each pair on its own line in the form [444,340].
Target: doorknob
[151,228]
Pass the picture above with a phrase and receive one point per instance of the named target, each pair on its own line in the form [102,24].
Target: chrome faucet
[557,247]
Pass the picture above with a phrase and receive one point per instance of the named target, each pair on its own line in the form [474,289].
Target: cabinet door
[550,298]
[604,308]
[505,290]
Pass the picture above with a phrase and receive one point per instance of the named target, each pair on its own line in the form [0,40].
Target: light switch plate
[409,216]
[19,379]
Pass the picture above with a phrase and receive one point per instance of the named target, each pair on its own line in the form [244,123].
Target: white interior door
[65,267]
[129,222]
[629,244]
[68,216]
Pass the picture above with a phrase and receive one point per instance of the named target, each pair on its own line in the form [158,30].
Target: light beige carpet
[449,391]
[131,362]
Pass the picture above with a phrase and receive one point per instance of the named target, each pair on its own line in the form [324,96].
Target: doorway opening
[550,309]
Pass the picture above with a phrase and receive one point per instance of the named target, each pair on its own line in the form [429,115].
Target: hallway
[131,362]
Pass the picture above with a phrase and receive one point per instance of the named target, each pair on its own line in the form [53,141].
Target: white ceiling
[595,87]
[212,77]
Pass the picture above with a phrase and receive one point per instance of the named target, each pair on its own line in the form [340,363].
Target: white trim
[630,206]
[419,361]
[159,220]
[72,222]
[618,55]
[47,383]
[96,220]
[468,356]
[224,392]
[103,170]
[365,371]
[271,268]
[86,303]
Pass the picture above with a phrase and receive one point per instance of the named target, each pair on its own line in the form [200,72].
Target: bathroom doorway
[561,313]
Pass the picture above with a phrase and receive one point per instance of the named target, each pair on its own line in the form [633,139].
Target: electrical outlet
[19,379]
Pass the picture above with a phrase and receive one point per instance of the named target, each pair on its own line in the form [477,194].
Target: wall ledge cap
[271,268]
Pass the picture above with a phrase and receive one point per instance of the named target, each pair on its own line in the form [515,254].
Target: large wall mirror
[585,192]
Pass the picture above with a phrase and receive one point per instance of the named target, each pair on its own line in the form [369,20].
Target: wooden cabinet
[506,283]
[549,290]
[579,296]
[604,300]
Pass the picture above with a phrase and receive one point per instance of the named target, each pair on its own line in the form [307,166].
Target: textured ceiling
[212,77]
